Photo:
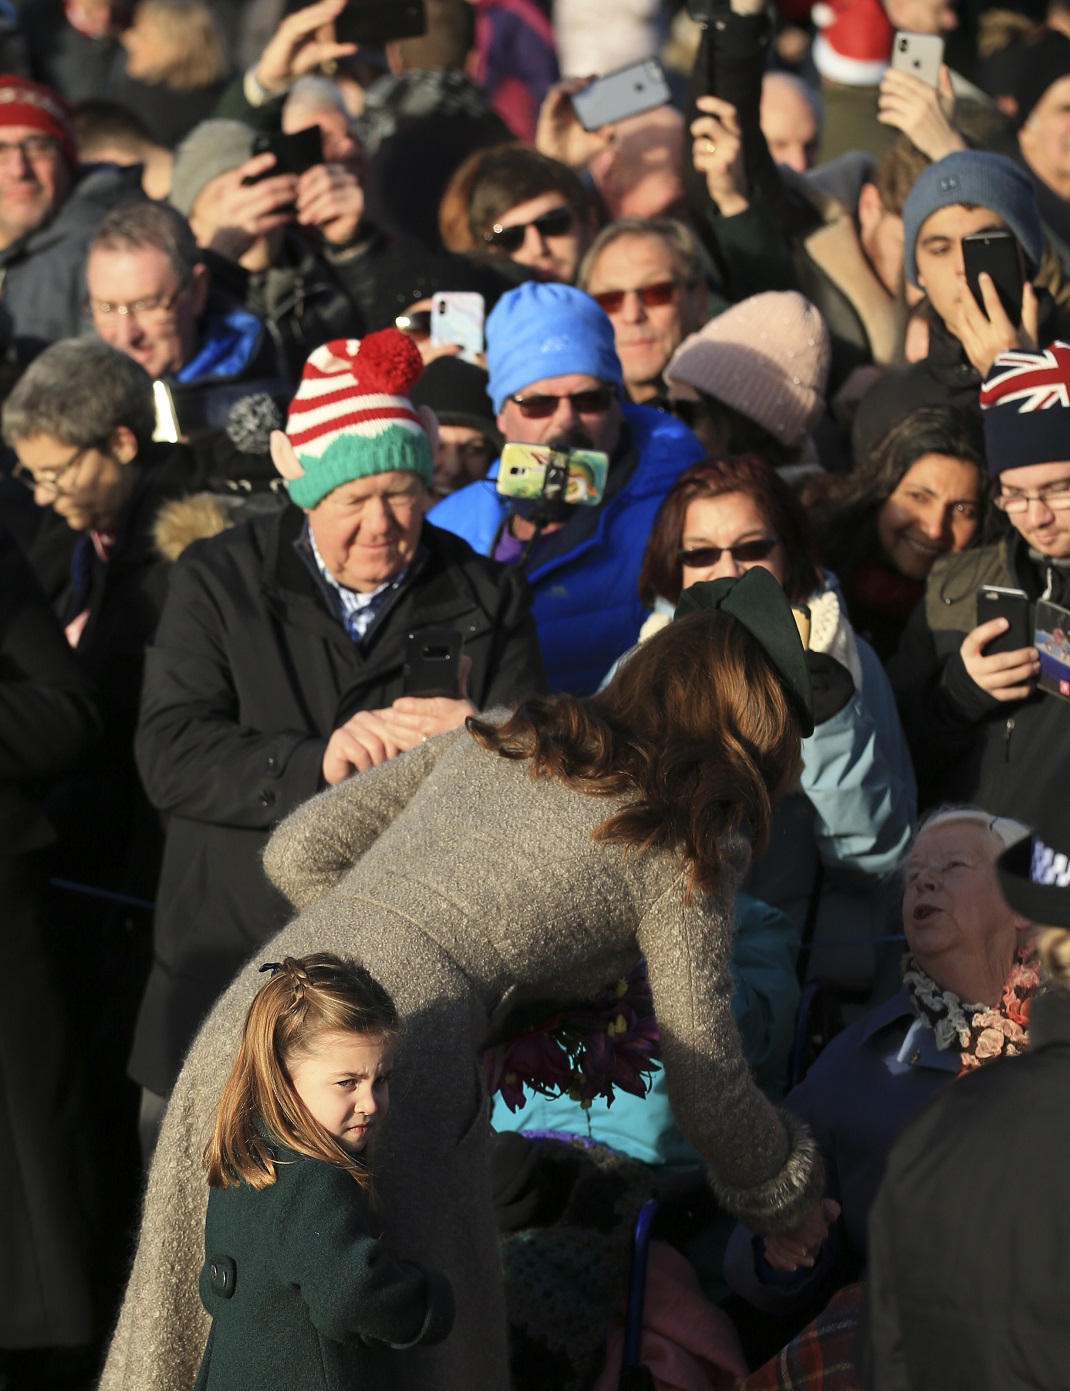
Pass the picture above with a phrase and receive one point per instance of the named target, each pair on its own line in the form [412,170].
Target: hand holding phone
[1000,255]
[627,92]
[457,317]
[920,55]
[997,654]
[433,662]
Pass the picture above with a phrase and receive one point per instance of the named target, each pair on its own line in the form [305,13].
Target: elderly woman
[968,980]
[849,820]
[968,1231]
[541,855]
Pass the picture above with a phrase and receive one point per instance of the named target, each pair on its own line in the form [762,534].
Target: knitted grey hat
[767,357]
[981,180]
[210,149]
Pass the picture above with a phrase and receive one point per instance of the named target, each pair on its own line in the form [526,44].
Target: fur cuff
[779,1204]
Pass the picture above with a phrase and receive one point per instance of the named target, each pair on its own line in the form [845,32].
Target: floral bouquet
[582,1050]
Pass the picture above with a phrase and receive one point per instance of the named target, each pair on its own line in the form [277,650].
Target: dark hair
[695,733]
[304,999]
[101,124]
[896,173]
[513,174]
[662,573]
[154,226]
[844,507]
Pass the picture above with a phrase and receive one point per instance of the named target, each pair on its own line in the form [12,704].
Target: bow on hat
[757,600]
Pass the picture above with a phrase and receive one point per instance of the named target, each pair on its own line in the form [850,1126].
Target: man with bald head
[790,118]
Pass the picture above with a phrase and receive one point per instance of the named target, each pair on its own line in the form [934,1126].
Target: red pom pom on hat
[387,361]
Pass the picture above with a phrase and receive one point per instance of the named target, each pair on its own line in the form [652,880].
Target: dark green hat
[758,602]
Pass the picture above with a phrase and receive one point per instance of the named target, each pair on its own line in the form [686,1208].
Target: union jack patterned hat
[1026,405]
[351,417]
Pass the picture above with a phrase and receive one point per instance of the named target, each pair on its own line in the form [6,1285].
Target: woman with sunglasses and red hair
[849,819]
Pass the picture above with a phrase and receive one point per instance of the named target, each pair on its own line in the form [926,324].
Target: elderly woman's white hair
[1004,828]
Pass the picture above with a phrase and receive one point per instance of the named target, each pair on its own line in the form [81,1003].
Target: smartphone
[166,429]
[626,92]
[1012,604]
[433,662]
[523,469]
[293,153]
[918,54]
[457,317]
[380,21]
[1000,254]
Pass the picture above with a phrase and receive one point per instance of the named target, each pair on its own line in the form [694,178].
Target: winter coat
[864,1088]
[586,578]
[967,746]
[42,275]
[968,1236]
[250,674]
[46,720]
[299,1288]
[460,881]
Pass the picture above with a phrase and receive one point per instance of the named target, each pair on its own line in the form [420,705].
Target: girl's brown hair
[695,733]
[304,999]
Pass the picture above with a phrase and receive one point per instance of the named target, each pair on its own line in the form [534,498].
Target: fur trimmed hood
[187,519]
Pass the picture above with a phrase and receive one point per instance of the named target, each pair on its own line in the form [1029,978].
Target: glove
[832,683]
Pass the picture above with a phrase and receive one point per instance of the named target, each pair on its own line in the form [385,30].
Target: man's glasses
[662,292]
[1056,497]
[48,480]
[37,149]
[555,223]
[745,552]
[154,310]
[595,401]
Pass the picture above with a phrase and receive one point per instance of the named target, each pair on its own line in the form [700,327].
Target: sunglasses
[745,552]
[556,223]
[595,401]
[651,296]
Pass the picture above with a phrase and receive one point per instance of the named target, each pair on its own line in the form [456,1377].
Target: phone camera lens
[903,45]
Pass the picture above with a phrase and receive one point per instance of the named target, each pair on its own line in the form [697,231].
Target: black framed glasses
[594,401]
[743,552]
[48,480]
[650,296]
[555,223]
[1056,498]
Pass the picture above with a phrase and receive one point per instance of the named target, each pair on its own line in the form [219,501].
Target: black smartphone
[433,662]
[993,601]
[380,21]
[1000,255]
[293,153]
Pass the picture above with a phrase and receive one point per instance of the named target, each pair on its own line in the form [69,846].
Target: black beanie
[1046,60]
[457,393]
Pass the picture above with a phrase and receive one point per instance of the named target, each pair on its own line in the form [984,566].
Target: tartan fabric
[822,1356]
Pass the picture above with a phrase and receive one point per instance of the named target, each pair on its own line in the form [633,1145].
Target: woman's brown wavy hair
[305,999]
[694,733]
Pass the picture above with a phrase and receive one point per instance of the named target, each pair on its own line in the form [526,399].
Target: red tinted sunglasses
[651,296]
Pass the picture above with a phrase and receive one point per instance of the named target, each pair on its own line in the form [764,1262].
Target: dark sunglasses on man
[555,223]
[594,401]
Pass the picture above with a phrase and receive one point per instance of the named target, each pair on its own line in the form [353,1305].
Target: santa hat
[26,103]
[351,417]
[854,41]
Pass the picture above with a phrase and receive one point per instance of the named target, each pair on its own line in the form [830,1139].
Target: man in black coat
[278,668]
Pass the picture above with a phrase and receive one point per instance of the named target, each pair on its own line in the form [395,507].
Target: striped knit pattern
[351,419]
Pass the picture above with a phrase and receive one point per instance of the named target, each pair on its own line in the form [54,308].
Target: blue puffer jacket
[587,606]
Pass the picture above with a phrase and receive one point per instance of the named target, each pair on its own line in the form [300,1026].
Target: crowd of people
[464,562]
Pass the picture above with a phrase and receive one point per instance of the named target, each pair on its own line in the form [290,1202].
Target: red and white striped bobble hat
[351,417]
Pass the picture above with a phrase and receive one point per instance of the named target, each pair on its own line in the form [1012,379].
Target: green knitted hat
[351,418]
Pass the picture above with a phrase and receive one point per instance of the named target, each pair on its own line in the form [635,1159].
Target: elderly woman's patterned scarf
[979,1032]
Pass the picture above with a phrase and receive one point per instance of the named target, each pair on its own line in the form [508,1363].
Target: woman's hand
[303,42]
[1004,675]
[791,1251]
[924,114]
[717,154]
[985,335]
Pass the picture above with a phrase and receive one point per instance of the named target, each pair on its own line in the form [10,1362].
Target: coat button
[267,798]
[224,1276]
[271,765]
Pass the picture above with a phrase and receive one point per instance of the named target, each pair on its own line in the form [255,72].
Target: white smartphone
[918,54]
[457,317]
[166,430]
[626,92]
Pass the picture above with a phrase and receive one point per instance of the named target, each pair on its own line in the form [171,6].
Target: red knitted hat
[854,42]
[26,103]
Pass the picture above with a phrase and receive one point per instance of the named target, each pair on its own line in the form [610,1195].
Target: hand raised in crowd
[241,212]
[793,1250]
[984,336]
[558,133]
[924,114]
[363,742]
[303,42]
[1004,675]
[330,198]
[717,154]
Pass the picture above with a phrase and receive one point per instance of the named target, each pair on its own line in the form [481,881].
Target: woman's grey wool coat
[460,880]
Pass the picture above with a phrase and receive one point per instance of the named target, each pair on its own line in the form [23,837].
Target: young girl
[294,1277]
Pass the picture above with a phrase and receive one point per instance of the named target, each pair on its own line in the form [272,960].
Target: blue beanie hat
[982,180]
[543,330]
[1026,403]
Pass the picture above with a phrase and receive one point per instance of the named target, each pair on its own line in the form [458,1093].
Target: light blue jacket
[587,606]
